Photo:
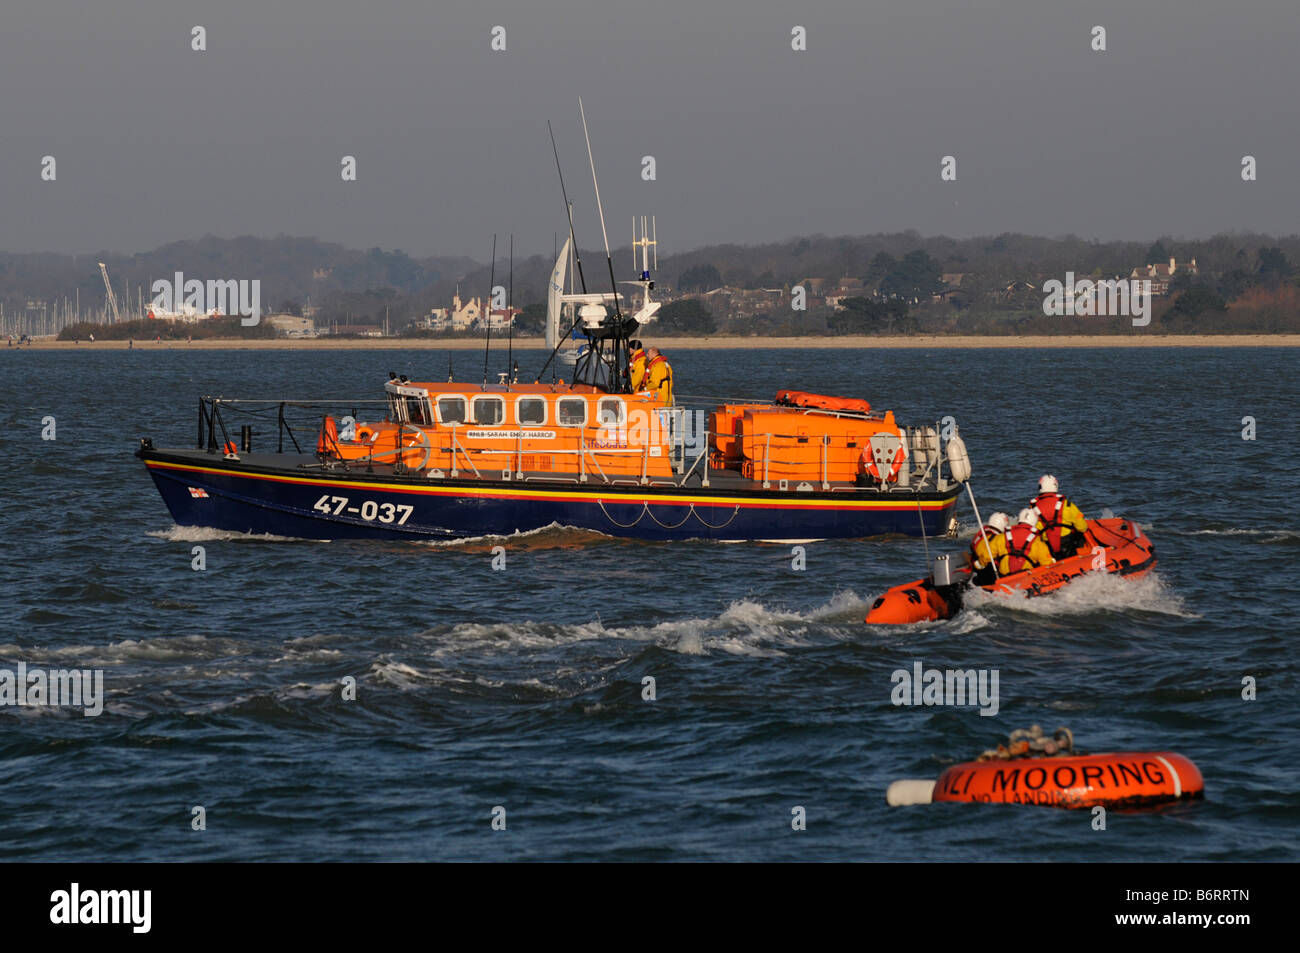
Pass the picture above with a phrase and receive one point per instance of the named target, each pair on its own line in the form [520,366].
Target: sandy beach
[725,343]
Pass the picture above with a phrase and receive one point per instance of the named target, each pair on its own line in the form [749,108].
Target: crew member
[636,361]
[1025,549]
[987,547]
[1059,523]
[659,375]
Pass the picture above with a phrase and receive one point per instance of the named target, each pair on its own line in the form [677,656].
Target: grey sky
[753,141]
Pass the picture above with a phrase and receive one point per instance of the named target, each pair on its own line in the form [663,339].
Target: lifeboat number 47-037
[366,509]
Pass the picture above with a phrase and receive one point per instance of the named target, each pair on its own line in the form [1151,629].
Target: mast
[510,309]
[487,341]
[112,298]
[618,362]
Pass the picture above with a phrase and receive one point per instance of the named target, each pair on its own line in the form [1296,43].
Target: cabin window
[451,410]
[571,412]
[610,412]
[531,410]
[488,411]
[409,410]
[417,411]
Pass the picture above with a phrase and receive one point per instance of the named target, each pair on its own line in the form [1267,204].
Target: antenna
[487,342]
[644,243]
[568,208]
[600,208]
[620,360]
[576,257]
[510,308]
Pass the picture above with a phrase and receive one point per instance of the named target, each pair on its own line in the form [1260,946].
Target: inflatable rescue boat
[1115,546]
[1038,770]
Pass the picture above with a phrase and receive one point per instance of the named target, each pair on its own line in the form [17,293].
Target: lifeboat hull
[1116,546]
[294,496]
[1123,779]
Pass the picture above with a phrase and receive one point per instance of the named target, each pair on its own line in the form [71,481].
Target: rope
[689,511]
[1032,743]
[645,508]
[921,514]
[734,513]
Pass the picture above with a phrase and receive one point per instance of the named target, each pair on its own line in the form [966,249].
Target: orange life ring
[230,448]
[1122,779]
[869,464]
[329,436]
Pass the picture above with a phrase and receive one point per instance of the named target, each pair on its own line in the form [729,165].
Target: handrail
[687,475]
[595,463]
[455,445]
[214,433]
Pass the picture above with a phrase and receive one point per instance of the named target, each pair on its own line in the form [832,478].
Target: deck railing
[690,459]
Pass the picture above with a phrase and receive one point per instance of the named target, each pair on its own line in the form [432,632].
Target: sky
[752,140]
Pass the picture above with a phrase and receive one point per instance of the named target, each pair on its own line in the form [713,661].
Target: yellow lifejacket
[637,369]
[659,374]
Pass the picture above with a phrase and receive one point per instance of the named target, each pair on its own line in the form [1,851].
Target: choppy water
[523,688]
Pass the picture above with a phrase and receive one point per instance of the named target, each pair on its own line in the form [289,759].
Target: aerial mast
[619,359]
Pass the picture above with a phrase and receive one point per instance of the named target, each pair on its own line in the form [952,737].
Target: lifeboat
[1123,779]
[446,459]
[1115,546]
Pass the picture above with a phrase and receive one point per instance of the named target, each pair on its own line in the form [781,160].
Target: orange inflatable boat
[1036,769]
[799,398]
[1116,546]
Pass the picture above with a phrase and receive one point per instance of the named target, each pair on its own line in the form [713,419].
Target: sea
[599,699]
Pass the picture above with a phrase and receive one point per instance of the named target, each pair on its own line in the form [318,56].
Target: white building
[461,316]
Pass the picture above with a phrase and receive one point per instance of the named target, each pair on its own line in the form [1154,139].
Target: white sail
[554,294]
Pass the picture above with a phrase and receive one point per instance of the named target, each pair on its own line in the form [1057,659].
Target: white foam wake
[1093,592]
[745,627]
[205,534]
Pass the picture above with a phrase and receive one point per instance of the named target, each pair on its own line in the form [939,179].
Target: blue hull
[279,496]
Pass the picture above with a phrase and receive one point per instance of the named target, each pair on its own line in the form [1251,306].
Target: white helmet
[1000,522]
[1028,515]
[1047,484]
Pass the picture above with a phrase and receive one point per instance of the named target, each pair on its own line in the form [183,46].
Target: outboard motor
[945,586]
[941,571]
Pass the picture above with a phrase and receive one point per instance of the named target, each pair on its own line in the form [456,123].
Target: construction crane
[112,298]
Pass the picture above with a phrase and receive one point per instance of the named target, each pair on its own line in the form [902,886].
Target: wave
[745,627]
[553,534]
[1094,592]
[204,534]
[1267,535]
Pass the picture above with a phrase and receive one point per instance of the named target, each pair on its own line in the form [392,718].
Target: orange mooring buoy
[1028,773]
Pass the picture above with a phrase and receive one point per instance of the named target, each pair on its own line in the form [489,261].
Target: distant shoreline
[968,341]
